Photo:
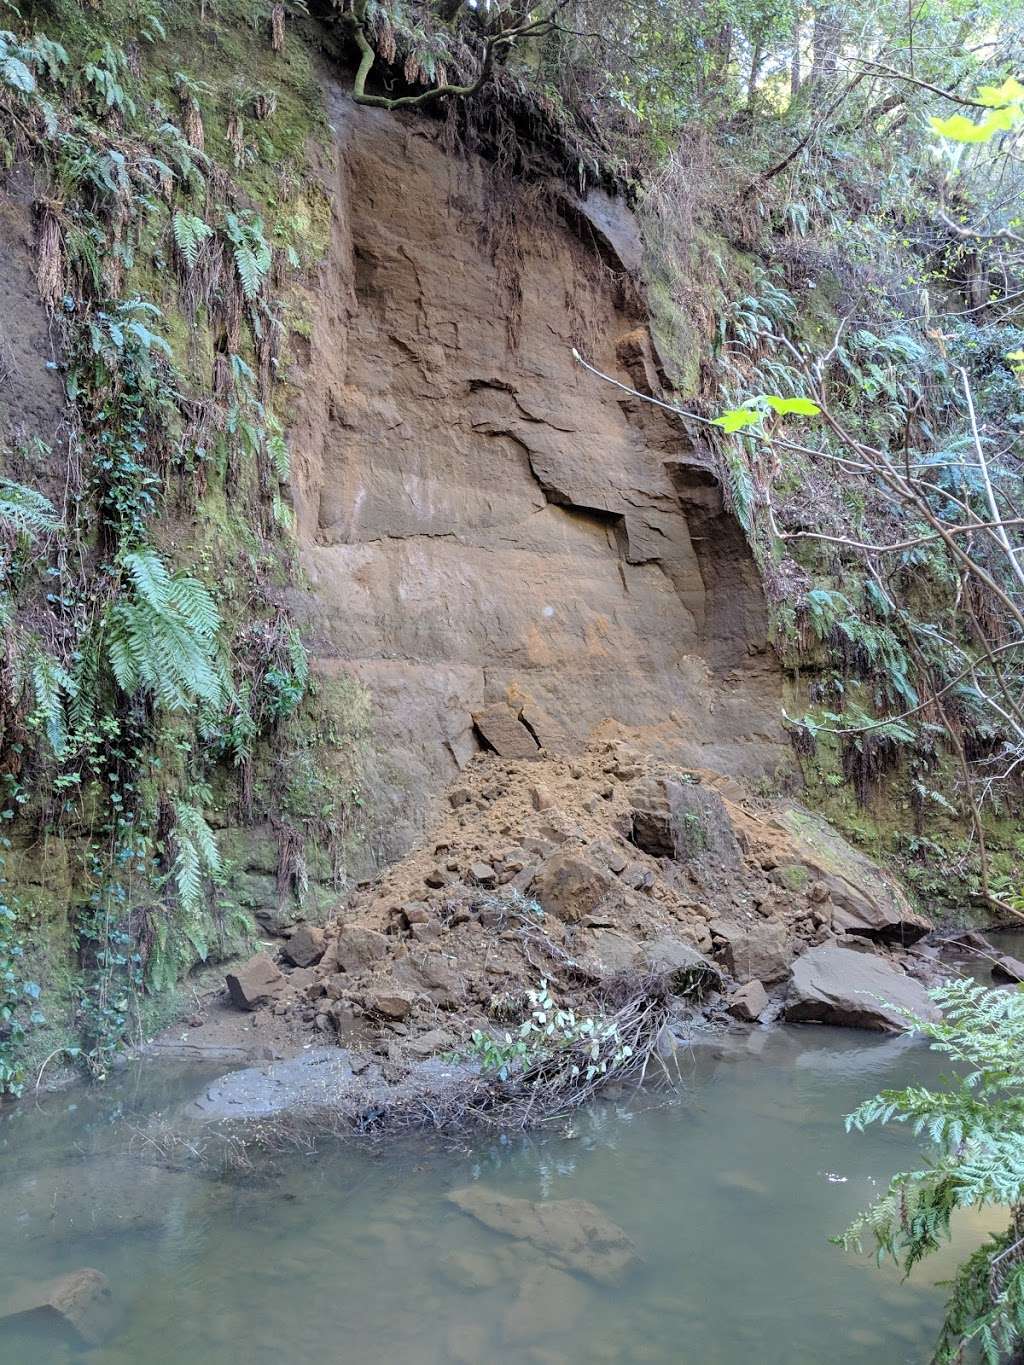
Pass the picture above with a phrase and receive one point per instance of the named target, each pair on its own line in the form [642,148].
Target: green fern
[24,510]
[51,684]
[190,232]
[161,636]
[974,1128]
[196,857]
[250,250]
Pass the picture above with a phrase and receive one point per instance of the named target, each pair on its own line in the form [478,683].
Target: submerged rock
[574,1234]
[77,1306]
[840,986]
[327,1080]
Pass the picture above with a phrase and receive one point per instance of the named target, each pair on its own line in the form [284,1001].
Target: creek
[730,1188]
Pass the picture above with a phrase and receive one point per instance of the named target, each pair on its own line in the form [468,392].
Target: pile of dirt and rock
[577,870]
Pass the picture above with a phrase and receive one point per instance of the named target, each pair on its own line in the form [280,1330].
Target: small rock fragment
[389,1003]
[483,874]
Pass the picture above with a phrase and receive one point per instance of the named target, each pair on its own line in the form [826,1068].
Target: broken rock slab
[77,1307]
[576,1235]
[502,730]
[856,990]
[255,983]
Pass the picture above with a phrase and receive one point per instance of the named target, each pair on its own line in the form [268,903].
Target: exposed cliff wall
[480,520]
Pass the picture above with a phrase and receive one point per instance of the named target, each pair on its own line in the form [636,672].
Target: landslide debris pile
[575,870]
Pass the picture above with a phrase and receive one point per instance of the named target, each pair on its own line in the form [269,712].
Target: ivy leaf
[959,129]
[999,96]
[801,407]
[738,418]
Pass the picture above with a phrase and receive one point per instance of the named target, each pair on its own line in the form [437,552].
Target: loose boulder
[574,1234]
[858,990]
[686,971]
[355,949]
[760,952]
[568,887]
[77,1306]
[502,730]
[306,946]
[1008,968]
[748,1003]
[670,818]
[256,983]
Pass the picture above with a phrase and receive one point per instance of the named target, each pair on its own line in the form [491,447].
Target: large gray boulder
[832,985]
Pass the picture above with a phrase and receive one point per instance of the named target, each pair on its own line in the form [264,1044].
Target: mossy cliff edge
[301,481]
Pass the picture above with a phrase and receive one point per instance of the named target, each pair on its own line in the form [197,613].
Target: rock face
[76,1306]
[484,525]
[574,1234]
[841,986]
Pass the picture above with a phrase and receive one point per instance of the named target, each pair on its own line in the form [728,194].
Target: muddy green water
[730,1193]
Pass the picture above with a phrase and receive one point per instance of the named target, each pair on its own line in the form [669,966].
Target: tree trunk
[826,41]
[794,62]
[756,62]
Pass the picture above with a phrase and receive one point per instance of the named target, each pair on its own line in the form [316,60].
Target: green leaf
[960,129]
[736,419]
[802,407]
[999,96]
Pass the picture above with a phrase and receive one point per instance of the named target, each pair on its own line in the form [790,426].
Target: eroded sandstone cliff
[482,521]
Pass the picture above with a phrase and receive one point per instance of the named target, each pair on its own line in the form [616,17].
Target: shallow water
[730,1193]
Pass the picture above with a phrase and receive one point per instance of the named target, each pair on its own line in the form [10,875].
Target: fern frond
[25,510]
[190,232]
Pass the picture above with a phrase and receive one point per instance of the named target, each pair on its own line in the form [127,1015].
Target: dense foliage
[974,1130]
[830,201]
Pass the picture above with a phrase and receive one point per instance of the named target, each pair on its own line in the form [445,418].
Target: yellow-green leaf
[801,407]
[960,129]
[738,418]
[998,96]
